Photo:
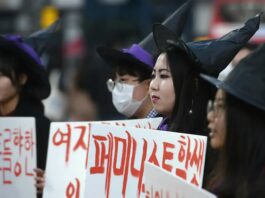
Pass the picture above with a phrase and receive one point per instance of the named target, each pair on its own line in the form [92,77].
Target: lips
[212,131]
[155,98]
[211,134]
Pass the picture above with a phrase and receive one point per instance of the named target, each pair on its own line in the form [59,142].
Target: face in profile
[140,88]
[161,87]
[217,120]
[129,94]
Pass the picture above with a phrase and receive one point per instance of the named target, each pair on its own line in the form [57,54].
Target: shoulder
[36,110]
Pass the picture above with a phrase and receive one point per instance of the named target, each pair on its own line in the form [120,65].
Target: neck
[9,106]
[144,109]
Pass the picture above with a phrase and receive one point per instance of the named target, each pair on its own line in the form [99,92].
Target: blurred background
[78,76]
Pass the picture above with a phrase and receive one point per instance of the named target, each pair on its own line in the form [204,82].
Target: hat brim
[237,93]
[212,80]
[35,72]
[115,57]
[164,38]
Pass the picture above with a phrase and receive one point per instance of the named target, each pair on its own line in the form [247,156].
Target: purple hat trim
[17,40]
[140,54]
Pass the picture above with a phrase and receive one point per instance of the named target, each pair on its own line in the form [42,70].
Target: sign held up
[17,157]
[160,183]
[88,159]
[68,154]
[117,155]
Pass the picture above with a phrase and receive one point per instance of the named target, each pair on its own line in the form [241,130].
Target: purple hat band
[140,54]
[17,40]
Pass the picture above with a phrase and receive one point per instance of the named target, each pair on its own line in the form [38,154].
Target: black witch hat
[26,49]
[141,53]
[175,22]
[39,40]
[212,56]
[247,80]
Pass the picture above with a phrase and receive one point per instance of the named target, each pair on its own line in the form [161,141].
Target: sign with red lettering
[67,161]
[17,157]
[117,155]
[160,183]
[146,123]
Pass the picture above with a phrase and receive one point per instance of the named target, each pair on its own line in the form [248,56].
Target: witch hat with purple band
[141,54]
[247,80]
[37,77]
[211,56]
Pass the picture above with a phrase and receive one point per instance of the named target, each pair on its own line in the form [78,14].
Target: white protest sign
[116,157]
[68,155]
[160,183]
[146,123]
[17,157]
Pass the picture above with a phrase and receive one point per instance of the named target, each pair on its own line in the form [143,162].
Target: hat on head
[247,80]
[39,39]
[135,54]
[141,53]
[15,44]
[212,56]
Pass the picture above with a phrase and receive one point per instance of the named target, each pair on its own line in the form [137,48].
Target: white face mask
[122,98]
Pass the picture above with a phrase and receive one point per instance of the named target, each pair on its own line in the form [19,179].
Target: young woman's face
[7,89]
[161,87]
[141,88]
[217,121]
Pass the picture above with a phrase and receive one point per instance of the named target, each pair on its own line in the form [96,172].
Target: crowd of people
[176,82]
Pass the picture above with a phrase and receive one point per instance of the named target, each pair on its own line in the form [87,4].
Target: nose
[210,118]
[153,84]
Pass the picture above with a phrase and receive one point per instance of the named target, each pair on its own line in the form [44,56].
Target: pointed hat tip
[254,22]
[56,25]
[259,14]
[175,22]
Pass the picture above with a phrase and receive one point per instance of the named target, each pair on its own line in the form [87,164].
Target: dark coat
[31,108]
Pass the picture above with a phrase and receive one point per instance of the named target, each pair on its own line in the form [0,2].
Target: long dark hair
[12,67]
[191,93]
[240,172]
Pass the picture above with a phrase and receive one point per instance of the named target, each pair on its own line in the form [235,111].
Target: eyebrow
[161,70]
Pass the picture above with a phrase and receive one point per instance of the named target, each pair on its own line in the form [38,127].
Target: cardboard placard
[116,158]
[160,183]
[17,157]
[68,150]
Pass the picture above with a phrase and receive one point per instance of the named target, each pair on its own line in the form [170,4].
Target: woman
[237,130]
[178,93]
[176,90]
[23,84]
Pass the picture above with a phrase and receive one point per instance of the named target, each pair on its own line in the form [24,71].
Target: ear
[23,78]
